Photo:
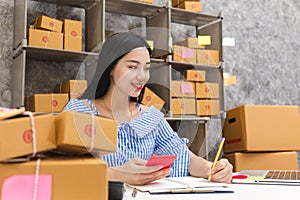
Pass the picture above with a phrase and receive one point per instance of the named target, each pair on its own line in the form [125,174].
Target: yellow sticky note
[204,40]
[151,44]
[229,80]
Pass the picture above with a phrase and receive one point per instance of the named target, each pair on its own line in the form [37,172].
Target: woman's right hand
[135,172]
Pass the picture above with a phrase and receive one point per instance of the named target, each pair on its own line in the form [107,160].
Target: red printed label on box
[27,136]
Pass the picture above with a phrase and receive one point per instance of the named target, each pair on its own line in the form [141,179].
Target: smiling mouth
[138,86]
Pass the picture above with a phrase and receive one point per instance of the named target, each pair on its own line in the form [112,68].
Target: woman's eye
[133,67]
[147,69]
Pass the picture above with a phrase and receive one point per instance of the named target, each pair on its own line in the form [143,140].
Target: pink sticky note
[186,88]
[21,187]
[188,53]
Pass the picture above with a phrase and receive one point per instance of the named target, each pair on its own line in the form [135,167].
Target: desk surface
[241,192]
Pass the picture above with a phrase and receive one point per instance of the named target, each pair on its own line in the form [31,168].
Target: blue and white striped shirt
[149,134]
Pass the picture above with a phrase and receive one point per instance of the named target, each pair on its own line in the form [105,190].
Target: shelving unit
[159,21]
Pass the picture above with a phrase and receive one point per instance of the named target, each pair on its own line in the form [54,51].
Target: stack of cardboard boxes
[192,50]
[55,34]
[55,102]
[71,174]
[195,96]
[262,137]
[191,5]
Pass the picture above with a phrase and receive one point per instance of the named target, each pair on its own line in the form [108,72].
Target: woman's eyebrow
[136,61]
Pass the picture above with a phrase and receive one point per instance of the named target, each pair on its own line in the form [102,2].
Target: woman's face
[132,72]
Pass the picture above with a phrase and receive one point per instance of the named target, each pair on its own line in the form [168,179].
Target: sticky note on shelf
[227,41]
[230,80]
[186,88]
[204,40]
[151,44]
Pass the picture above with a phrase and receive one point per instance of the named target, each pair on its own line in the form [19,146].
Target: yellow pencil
[217,157]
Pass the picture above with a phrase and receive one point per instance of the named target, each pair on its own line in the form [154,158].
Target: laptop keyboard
[283,174]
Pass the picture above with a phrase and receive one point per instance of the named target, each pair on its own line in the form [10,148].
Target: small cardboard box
[195,75]
[80,178]
[46,39]
[177,2]
[48,23]
[183,106]
[191,43]
[47,102]
[194,6]
[263,160]
[146,1]
[183,89]
[150,98]
[207,57]
[74,133]
[16,135]
[75,88]
[207,90]
[262,128]
[72,35]
[208,107]
[183,54]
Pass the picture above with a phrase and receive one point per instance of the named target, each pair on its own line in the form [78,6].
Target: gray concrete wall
[265,58]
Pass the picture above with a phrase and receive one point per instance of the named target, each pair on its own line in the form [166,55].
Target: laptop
[273,177]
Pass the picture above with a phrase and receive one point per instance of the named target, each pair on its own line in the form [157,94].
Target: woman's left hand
[222,171]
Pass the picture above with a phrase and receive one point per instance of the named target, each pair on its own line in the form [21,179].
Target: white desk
[241,192]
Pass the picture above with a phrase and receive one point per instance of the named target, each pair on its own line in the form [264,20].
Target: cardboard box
[16,135]
[207,90]
[208,107]
[262,128]
[75,88]
[177,2]
[263,161]
[183,106]
[195,75]
[183,54]
[80,178]
[194,6]
[72,35]
[48,23]
[146,1]
[150,98]
[74,133]
[191,43]
[183,89]
[46,102]
[207,57]
[46,39]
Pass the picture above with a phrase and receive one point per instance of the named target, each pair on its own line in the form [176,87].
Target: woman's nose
[142,74]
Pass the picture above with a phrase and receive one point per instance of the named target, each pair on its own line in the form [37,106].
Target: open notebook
[186,184]
[274,177]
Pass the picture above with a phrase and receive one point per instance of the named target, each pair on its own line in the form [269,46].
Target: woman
[115,92]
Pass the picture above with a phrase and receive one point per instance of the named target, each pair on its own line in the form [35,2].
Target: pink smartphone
[165,160]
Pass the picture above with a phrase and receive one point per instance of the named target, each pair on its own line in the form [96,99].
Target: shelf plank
[78,3]
[185,65]
[188,118]
[133,8]
[186,17]
[38,53]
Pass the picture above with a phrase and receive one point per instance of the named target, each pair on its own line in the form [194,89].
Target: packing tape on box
[45,39]
[52,102]
[36,179]
[33,133]
[93,133]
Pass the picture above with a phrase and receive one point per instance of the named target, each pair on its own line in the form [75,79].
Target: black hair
[113,50]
